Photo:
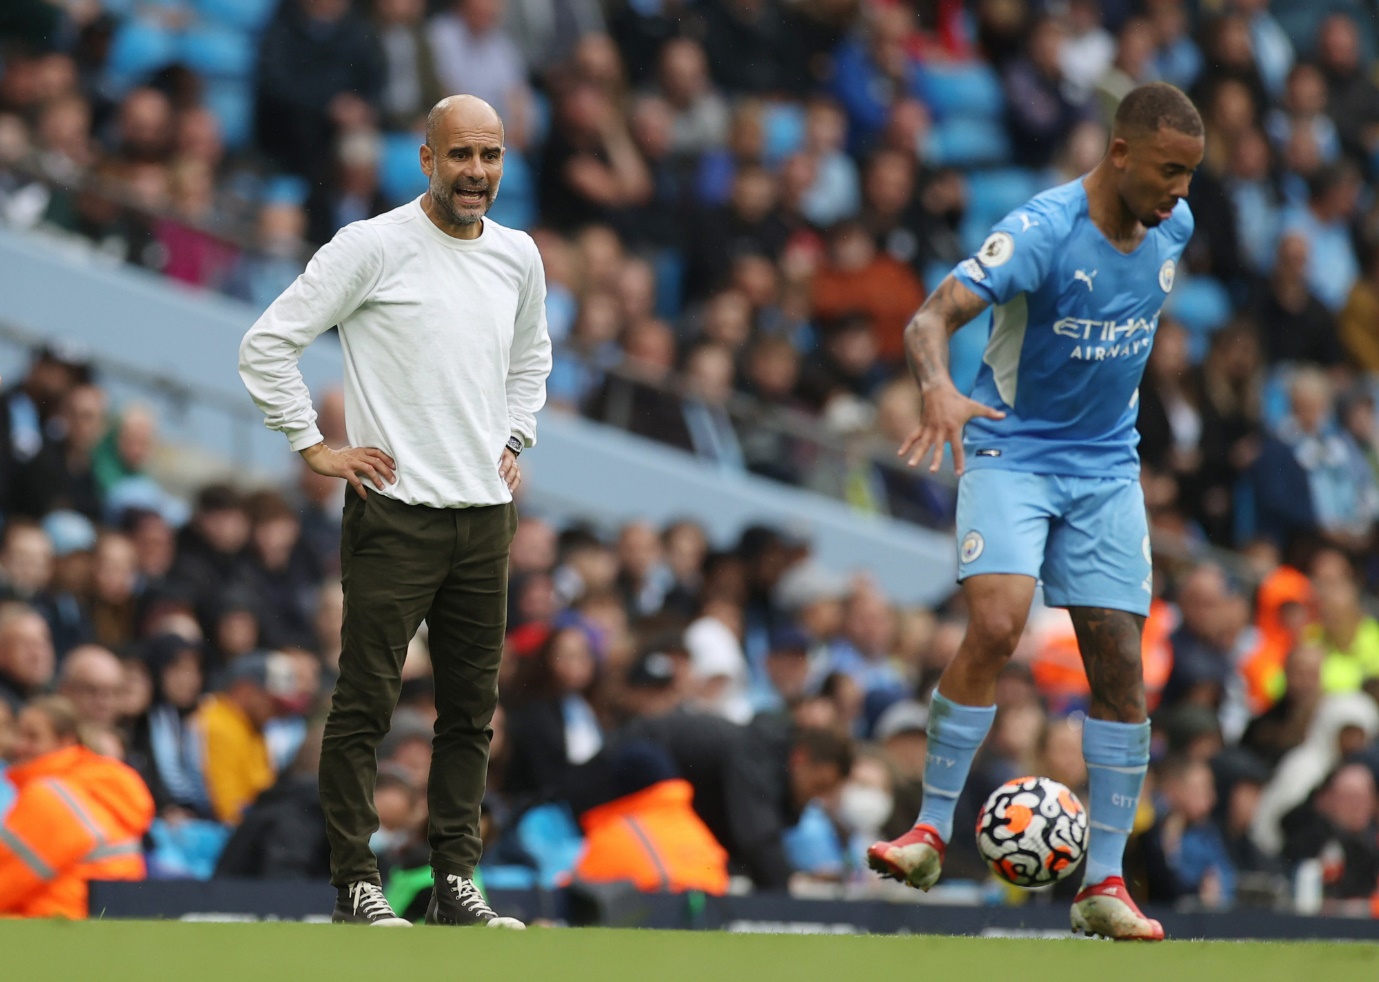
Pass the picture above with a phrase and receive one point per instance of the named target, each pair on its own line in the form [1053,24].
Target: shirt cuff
[301,439]
[528,439]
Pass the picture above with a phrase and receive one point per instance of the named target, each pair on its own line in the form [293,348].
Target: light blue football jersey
[1072,324]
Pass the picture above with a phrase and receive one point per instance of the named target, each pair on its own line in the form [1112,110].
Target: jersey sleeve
[1013,259]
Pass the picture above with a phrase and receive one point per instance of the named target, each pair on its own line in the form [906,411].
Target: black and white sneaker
[456,900]
[363,902]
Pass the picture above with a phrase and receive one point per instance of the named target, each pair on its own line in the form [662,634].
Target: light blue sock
[1117,756]
[955,733]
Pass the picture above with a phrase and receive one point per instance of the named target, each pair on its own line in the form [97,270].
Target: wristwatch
[515,445]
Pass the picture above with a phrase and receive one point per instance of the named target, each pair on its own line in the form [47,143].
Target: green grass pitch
[151,951]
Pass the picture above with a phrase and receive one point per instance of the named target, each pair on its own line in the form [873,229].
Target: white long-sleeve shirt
[445,351]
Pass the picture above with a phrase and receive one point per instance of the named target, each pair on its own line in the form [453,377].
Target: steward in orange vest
[648,833]
[77,817]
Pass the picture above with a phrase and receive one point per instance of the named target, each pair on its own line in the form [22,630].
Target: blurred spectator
[1294,324]
[647,832]
[283,833]
[591,168]
[476,56]
[161,742]
[1273,48]
[749,224]
[229,748]
[1337,827]
[1087,49]
[26,655]
[638,402]
[127,448]
[78,816]
[1187,854]
[115,596]
[411,85]
[1348,634]
[1342,724]
[320,74]
[1131,66]
[1255,198]
[750,783]
[32,406]
[717,663]
[835,192]
[211,550]
[1285,724]
[62,474]
[280,245]
[546,30]
[1310,477]
[1040,115]
[1177,59]
[1352,98]
[709,373]
[1202,667]
[859,280]
[700,120]
[873,69]
[1304,105]
[92,679]
[748,43]
[1324,223]
[282,570]
[551,726]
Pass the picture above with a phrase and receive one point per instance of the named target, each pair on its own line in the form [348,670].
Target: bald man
[93,678]
[442,323]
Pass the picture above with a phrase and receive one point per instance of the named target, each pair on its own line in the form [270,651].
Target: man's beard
[443,196]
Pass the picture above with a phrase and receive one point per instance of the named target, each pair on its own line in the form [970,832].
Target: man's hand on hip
[509,471]
[353,464]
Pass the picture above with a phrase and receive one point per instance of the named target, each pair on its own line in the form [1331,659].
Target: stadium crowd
[749,196]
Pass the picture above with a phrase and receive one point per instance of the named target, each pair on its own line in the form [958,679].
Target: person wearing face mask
[866,804]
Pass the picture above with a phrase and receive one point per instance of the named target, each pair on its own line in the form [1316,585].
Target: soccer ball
[1032,831]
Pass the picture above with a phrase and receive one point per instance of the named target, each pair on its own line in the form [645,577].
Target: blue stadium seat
[232,101]
[515,205]
[285,189]
[969,89]
[247,15]
[218,52]
[1201,304]
[784,128]
[993,194]
[137,51]
[969,142]
[399,175]
[934,274]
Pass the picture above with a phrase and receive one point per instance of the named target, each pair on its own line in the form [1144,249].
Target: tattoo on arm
[1110,644]
[948,308]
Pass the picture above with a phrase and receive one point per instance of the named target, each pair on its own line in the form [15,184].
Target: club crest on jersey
[996,250]
[1166,273]
[972,546]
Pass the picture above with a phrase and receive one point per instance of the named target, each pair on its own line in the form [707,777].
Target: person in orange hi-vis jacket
[77,817]
[648,833]
[1286,606]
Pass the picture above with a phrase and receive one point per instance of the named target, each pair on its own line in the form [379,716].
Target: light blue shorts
[1085,538]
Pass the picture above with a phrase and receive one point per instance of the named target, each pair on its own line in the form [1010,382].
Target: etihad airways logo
[1085,329]
[1107,339]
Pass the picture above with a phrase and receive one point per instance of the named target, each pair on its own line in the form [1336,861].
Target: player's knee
[993,636]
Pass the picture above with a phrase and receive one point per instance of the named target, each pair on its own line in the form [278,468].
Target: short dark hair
[1150,107]
[825,747]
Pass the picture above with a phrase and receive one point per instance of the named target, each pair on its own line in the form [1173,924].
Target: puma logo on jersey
[1025,222]
[1084,277]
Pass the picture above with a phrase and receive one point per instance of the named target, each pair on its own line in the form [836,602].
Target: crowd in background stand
[750,196]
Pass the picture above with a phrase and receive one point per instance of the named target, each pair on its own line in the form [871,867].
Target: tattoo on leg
[1110,644]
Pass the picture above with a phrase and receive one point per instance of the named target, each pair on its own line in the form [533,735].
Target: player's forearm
[926,350]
